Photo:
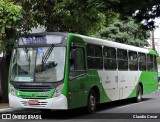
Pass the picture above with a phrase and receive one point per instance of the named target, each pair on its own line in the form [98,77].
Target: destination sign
[34,40]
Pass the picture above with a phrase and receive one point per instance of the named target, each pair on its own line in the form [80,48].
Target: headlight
[12,90]
[58,90]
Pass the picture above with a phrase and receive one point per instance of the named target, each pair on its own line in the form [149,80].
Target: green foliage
[80,16]
[10,15]
[142,10]
[84,17]
[125,31]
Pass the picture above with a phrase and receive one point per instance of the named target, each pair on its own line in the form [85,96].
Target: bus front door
[77,78]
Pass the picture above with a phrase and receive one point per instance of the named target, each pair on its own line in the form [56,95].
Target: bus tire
[139,94]
[91,105]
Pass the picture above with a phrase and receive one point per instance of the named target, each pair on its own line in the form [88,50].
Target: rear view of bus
[37,72]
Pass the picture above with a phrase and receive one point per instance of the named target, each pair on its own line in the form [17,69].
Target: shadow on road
[62,114]
[114,104]
[81,114]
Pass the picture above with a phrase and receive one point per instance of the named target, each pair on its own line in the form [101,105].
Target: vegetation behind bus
[125,31]
[89,22]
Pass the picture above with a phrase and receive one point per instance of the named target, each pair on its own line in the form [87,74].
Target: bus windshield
[41,64]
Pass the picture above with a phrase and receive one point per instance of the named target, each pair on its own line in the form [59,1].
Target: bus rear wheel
[139,94]
[91,106]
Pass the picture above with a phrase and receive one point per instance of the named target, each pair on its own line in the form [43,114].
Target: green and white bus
[54,70]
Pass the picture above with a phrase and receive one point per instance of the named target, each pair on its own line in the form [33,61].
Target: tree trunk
[4,77]
[5,65]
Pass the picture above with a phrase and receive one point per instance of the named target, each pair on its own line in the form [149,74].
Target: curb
[8,110]
[18,110]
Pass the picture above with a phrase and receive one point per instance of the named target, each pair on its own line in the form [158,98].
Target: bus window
[155,63]
[77,62]
[133,62]
[94,56]
[142,61]
[109,54]
[77,59]
[150,62]
[122,59]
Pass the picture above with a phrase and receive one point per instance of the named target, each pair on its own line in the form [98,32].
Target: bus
[61,71]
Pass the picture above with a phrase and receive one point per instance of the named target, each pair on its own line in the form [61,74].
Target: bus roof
[105,42]
[99,41]
[48,33]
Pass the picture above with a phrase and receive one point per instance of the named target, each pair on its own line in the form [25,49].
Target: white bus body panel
[119,85]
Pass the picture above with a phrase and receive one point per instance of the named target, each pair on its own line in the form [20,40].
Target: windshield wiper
[46,56]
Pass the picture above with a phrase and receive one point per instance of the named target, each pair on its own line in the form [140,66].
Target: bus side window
[133,60]
[77,62]
[142,61]
[122,59]
[109,54]
[77,59]
[155,63]
[94,56]
[150,62]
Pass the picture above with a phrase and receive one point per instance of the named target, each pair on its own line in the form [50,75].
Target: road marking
[155,92]
[128,105]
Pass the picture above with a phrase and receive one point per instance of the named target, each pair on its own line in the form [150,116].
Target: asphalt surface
[124,110]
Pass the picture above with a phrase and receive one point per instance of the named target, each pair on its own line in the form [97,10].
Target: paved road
[117,111]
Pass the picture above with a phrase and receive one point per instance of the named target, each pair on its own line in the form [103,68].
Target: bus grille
[34,88]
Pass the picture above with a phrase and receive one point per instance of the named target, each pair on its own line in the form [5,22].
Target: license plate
[33,102]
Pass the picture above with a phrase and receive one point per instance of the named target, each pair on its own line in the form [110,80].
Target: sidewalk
[4,105]
[5,108]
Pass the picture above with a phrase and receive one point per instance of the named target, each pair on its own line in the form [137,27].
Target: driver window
[77,62]
[77,59]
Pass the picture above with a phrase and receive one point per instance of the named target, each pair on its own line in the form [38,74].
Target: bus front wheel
[91,106]
[139,94]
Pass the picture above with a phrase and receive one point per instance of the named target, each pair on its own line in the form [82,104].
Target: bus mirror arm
[72,54]
[71,45]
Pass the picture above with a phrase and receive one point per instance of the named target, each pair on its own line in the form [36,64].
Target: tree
[125,31]
[10,14]
[141,10]
[84,17]
[87,15]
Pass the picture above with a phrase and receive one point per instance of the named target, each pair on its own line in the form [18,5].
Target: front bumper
[51,103]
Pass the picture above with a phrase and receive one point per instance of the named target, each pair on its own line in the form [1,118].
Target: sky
[157,31]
